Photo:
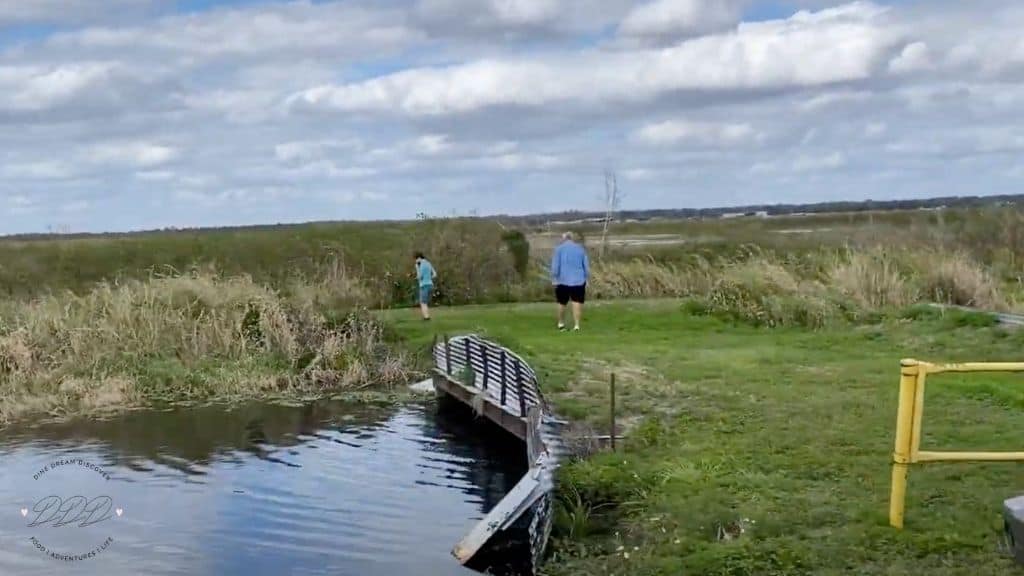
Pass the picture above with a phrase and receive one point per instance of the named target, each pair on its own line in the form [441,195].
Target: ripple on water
[326,488]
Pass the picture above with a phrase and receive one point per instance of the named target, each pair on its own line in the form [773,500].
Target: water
[326,488]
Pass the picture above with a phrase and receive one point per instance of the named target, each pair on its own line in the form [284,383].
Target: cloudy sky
[137,114]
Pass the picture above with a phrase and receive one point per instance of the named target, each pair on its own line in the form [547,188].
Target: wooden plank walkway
[501,386]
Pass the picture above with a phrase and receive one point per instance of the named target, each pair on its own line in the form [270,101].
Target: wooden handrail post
[504,376]
[483,352]
[447,355]
[519,387]
[469,363]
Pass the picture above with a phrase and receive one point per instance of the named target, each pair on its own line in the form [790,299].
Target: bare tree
[612,203]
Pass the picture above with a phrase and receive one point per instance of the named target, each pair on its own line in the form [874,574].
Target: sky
[138,114]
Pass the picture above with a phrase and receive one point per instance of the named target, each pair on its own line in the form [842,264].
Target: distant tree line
[669,213]
[777,209]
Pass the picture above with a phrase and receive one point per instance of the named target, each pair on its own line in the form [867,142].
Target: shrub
[472,263]
[519,247]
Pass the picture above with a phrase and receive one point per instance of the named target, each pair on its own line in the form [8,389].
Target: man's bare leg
[577,313]
[561,316]
[425,311]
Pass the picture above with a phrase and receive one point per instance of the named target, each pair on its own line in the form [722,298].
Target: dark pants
[565,293]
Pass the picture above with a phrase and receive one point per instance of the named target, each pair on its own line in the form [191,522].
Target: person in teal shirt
[425,275]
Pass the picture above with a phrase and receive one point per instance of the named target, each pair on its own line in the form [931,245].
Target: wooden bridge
[501,386]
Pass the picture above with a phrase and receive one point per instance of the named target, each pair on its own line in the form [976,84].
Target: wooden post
[447,355]
[483,352]
[469,363]
[519,387]
[612,386]
[504,376]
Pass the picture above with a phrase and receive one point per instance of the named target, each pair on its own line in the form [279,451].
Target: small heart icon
[119,512]
[24,512]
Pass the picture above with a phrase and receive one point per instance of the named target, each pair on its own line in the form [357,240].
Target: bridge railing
[506,381]
[500,373]
[913,375]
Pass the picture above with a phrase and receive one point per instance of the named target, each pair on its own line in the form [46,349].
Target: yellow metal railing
[908,427]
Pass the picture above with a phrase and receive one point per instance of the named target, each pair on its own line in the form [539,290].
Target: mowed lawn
[785,434]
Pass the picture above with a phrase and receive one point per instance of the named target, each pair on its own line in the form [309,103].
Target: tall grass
[872,279]
[815,290]
[183,337]
[479,261]
[956,278]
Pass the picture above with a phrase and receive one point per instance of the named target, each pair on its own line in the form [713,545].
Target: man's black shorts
[565,293]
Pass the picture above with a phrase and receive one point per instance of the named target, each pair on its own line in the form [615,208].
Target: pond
[260,489]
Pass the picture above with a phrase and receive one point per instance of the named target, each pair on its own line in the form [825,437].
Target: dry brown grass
[184,337]
[956,278]
[811,291]
[647,279]
[872,279]
[333,285]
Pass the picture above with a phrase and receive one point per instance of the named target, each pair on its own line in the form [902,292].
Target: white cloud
[662,19]
[524,11]
[514,161]
[813,163]
[703,133]
[271,31]
[37,170]
[155,175]
[20,200]
[875,129]
[512,18]
[503,147]
[915,57]
[431,144]
[837,45]
[312,150]
[62,11]
[285,111]
[638,174]
[132,154]
[915,147]
[37,88]
[75,206]
[835,98]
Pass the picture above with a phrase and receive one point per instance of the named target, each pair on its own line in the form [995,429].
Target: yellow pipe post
[915,433]
[909,370]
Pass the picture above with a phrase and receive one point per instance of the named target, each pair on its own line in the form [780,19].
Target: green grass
[786,432]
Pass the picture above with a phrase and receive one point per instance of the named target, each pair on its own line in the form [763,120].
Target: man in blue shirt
[570,269]
[425,275]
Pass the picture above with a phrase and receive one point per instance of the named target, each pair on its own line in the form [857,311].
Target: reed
[184,337]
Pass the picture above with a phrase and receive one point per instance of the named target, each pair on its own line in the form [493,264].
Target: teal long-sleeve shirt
[570,265]
[425,273]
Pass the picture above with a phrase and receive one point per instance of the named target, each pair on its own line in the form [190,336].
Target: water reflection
[325,488]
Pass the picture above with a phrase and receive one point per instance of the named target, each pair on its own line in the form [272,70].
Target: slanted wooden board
[511,508]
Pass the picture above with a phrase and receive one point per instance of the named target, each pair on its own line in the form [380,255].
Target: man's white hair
[566,235]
